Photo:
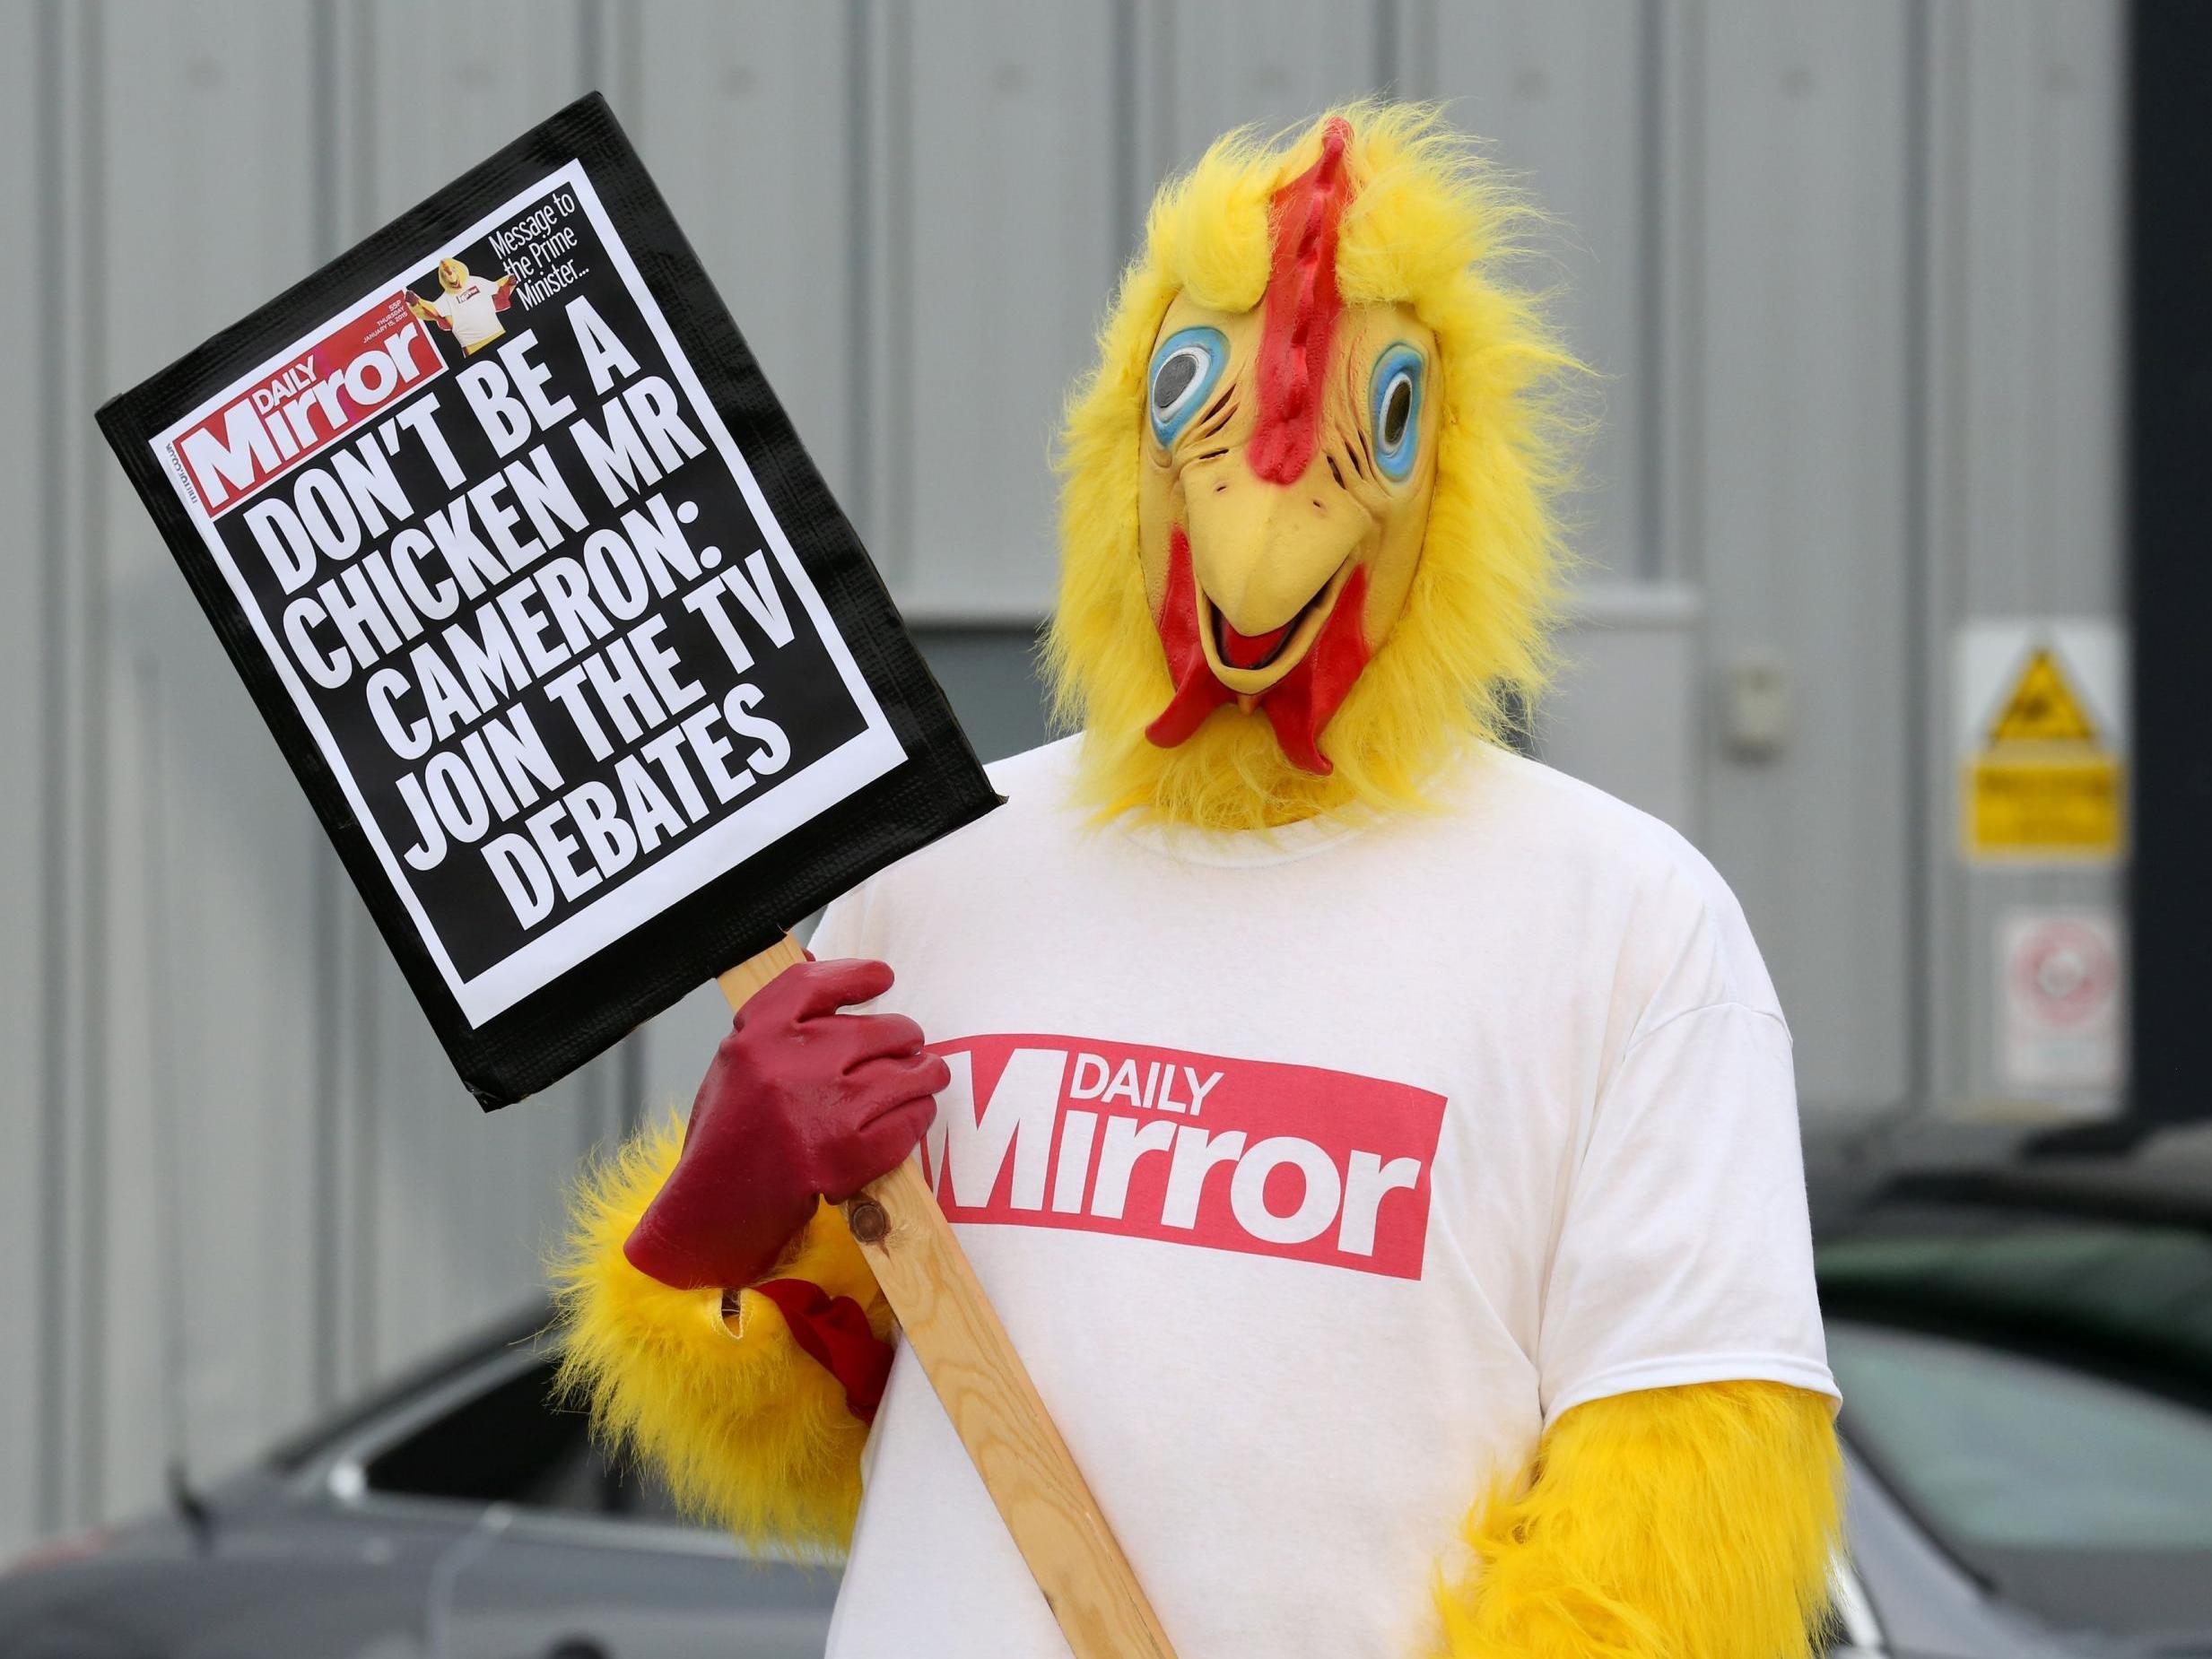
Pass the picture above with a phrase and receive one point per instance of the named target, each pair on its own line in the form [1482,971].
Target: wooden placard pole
[987,1391]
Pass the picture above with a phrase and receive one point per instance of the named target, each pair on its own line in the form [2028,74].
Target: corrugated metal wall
[1853,267]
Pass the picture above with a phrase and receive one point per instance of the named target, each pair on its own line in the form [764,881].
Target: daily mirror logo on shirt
[1246,1155]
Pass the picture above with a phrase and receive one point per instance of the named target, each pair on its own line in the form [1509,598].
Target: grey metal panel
[2026,307]
[1803,491]
[1199,70]
[28,201]
[62,1136]
[993,253]
[436,87]
[2028,153]
[198,968]
[731,119]
[1625,713]
[1564,95]
[72,1072]
[212,861]
[1674,275]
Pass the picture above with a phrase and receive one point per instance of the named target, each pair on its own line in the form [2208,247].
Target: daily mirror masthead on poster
[590,680]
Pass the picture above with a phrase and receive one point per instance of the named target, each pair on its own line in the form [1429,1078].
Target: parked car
[2027,1349]
[2024,1346]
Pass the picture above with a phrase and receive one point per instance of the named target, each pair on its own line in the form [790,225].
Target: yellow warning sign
[2043,785]
[2042,707]
[2044,806]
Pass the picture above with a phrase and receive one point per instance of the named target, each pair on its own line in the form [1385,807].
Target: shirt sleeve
[1685,1255]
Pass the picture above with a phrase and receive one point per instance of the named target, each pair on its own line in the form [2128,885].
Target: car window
[2078,1495]
[511,1444]
[2055,1282]
[2000,1449]
[2030,1373]
[445,1367]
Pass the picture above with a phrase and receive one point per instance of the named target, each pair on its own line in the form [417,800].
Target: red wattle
[1301,704]
[1196,692]
[834,1332]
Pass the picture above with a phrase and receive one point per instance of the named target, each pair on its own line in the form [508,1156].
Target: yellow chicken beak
[1269,560]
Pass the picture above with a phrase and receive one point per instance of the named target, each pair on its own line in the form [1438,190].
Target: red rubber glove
[802,1102]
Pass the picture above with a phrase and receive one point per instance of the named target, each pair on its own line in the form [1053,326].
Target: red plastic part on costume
[1196,692]
[1303,305]
[1301,705]
[834,1332]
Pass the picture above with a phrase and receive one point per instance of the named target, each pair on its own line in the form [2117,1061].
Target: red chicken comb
[1303,304]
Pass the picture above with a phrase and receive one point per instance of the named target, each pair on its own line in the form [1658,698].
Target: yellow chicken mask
[1307,540]
[451,274]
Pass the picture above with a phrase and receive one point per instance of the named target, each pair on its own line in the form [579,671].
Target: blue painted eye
[1395,410]
[1184,371]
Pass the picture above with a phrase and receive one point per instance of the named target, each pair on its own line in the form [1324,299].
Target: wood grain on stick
[987,1391]
[740,984]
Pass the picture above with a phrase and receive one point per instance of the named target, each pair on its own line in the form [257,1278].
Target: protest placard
[587,675]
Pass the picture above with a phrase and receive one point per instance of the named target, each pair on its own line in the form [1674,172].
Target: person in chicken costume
[467,307]
[1381,1149]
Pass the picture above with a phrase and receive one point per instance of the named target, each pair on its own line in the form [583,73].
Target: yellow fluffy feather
[749,1433]
[1693,1523]
[1434,226]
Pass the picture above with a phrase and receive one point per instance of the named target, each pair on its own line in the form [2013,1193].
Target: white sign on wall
[2062,1000]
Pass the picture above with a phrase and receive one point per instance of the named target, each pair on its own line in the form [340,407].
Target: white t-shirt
[1312,1173]
[473,308]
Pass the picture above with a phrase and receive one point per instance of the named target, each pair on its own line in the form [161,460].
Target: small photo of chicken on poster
[466,306]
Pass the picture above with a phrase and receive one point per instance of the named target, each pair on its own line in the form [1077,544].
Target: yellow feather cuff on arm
[1694,1522]
[748,1431]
